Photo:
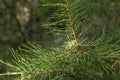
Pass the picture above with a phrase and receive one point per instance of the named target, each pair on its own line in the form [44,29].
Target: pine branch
[73,31]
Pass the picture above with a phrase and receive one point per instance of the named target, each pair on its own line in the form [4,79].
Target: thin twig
[36,73]
[71,23]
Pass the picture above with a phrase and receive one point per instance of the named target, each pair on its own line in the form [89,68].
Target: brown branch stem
[73,31]
[71,23]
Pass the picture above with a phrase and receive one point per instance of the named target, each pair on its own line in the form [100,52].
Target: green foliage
[91,53]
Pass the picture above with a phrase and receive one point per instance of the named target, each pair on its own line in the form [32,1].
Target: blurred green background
[20,22]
